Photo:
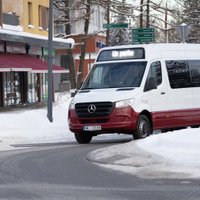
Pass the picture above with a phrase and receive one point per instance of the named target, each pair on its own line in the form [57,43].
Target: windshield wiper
[125,88]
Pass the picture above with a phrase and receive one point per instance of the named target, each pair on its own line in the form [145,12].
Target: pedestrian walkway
[23,107]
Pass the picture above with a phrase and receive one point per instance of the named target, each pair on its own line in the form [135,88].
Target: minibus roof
[150,52]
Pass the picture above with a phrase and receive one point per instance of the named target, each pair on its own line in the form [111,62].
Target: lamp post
[183,30]
[50,95]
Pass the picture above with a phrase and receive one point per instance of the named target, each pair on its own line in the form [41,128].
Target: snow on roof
[18,31]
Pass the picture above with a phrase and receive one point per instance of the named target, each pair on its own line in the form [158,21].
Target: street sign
[114,25]
[142,40]
[46,51]
[143,35]
[143,30]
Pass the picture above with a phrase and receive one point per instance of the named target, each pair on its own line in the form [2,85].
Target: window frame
[150,75]
[43,17]
[30,13]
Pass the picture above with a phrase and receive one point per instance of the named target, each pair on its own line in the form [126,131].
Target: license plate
[92,128]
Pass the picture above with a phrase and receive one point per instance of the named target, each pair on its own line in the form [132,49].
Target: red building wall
[92,49]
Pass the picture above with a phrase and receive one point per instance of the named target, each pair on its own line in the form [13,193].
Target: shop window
[32,88]
[11,84]
[44,87]
[43,17]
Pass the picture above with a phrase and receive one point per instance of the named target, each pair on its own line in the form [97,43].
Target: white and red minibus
[136,89]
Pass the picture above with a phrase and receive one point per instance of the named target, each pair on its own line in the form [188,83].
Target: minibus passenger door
[156,95]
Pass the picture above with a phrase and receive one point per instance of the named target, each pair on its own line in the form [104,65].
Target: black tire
[143,127]
[83,138]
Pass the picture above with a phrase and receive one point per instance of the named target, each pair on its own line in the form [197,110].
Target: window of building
[179,74]
[30,13]
[1,13]
[43,17]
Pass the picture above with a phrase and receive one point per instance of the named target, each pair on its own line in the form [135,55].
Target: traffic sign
[143,30]
[114,25]
[143,35]
[45,52]
[142,40]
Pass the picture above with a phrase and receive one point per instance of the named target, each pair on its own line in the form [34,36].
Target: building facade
[23,51]
[36,16]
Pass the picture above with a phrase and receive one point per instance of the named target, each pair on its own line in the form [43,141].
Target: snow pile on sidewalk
[32,125]
[170,155]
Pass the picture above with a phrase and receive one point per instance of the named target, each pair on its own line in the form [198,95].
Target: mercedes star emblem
[91,108]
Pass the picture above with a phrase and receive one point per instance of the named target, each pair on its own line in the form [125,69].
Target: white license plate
[92,128]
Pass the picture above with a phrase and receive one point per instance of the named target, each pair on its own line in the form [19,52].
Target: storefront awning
[22,63]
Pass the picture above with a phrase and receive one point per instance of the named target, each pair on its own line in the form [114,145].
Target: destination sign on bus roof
[121,54]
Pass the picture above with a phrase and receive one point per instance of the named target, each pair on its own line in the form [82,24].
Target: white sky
[170,155]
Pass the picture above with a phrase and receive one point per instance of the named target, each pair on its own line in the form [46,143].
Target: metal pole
[184,34]
[108,21]
[141,13]
[147,13]
[50,95]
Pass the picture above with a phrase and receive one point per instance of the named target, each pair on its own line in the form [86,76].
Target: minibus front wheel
[83,138]
[143,127]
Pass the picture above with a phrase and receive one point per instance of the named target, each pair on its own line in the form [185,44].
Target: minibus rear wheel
[83,138]
[143,127]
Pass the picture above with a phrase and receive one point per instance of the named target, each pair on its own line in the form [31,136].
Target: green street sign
[143,40]
[143,35]
[114,25]
[45,51]
[143,30]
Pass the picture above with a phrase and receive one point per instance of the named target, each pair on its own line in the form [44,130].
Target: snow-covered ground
[173,154]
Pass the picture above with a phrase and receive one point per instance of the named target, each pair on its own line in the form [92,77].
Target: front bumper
[121,120]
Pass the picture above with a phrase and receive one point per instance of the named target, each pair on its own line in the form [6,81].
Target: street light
[183,30]
[50,95]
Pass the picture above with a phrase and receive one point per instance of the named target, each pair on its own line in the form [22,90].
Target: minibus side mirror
[150,84]
[74,93]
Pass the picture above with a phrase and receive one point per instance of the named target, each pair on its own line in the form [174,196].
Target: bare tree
[87,6]
[63,19]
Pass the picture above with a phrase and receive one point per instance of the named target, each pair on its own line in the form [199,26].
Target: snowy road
[61,171]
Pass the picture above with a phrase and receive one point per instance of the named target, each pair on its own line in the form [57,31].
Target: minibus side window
[179,74]
[154,77]
[194,66]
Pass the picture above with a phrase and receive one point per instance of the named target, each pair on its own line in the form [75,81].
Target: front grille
[99,109]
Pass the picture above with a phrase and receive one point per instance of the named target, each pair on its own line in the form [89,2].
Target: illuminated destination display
[121,54]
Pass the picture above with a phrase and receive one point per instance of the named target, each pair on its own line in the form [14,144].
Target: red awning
[21,62]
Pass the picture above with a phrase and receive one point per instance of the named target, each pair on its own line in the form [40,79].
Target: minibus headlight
[71,105]
[124,103]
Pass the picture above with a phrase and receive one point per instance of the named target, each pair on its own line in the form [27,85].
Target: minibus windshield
[115,75]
